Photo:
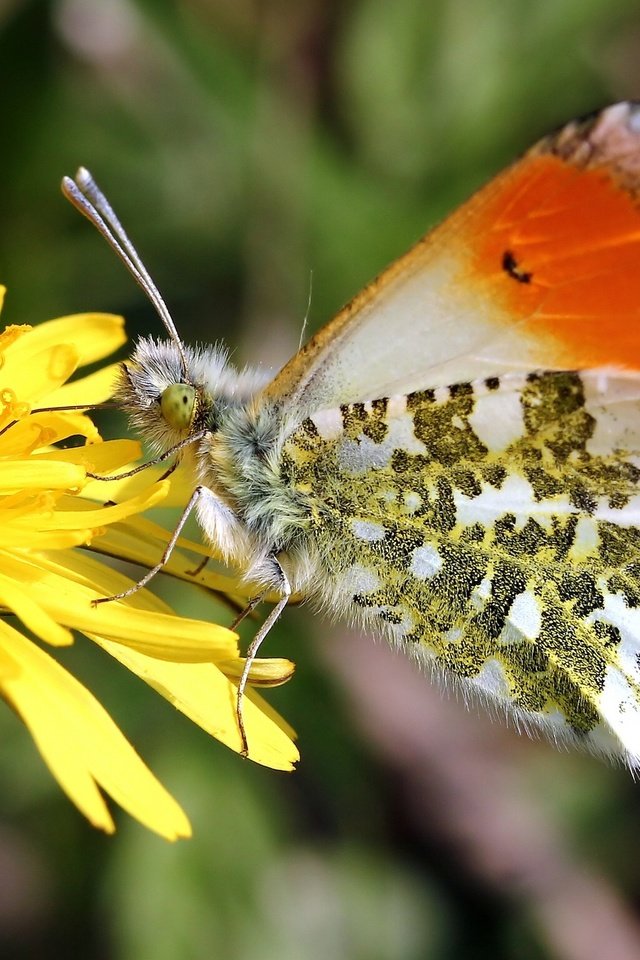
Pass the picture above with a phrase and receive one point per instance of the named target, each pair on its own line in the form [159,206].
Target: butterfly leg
[255,645]
[250,607]
[176,448]
[199,568]
[164,559]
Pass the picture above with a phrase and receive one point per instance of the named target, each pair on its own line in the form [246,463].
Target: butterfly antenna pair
[87,197]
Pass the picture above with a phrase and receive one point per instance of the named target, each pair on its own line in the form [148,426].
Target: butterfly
[453,462]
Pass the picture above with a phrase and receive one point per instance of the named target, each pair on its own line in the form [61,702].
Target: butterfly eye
[177,404]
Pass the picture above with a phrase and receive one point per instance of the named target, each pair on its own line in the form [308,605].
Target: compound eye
[177,404]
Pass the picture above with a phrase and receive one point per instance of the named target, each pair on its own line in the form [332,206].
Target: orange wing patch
[558,247]
[538,270]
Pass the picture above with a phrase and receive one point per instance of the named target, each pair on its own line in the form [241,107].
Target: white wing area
[423,327]
[612,398]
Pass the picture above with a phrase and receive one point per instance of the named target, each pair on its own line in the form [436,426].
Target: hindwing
[489,528]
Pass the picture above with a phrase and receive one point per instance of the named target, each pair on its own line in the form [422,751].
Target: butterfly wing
[538,270]
[486,514]
[491,529]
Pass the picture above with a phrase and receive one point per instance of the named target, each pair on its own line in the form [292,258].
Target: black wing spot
[510,264]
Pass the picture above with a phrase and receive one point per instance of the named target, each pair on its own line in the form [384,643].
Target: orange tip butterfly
[454,460]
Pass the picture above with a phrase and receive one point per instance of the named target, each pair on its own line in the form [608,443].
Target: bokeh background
[269,158]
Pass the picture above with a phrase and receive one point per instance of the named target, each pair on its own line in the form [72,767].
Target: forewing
[538,270]
[491,530]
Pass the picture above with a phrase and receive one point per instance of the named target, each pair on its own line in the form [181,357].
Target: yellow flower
[48,509]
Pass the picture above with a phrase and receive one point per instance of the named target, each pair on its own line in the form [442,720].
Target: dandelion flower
[49,508]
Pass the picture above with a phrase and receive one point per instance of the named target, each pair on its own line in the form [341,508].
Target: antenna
[87,197]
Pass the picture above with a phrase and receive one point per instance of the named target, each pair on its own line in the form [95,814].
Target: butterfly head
[164,392]
[170,395]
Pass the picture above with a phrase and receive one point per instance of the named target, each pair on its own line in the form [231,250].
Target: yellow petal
[162,635]
[265,707]
[37,474]
[98,457]
[93,335]
[80,743]
[48,369]
[14,598]
[94,388]
[271,672]
[205,695]
[84,515]
[42,429]
[12,537]
[107,456]
[11,335]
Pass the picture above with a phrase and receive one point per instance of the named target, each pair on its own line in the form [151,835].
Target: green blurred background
[257,151]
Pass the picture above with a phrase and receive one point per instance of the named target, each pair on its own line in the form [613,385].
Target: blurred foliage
[268,158]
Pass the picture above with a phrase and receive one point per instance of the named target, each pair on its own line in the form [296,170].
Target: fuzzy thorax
[263,517]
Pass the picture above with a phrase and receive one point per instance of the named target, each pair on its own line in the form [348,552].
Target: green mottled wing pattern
[492,529]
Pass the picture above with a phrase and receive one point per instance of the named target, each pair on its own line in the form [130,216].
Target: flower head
[49,509]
